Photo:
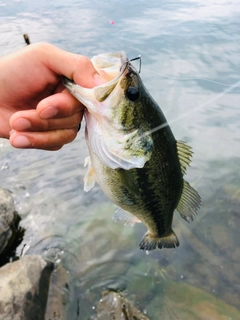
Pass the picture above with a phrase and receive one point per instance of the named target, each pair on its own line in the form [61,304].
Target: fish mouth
[111,67]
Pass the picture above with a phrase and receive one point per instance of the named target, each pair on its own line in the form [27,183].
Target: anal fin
[189,202]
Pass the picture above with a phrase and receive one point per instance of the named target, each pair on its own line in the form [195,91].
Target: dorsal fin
[184,155]
[189,202]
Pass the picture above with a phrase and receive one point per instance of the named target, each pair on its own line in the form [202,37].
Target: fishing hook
[134,59]
[140,62]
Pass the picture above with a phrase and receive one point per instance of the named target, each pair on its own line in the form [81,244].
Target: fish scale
[161,207]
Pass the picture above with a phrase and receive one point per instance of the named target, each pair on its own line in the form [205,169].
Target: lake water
[191,66]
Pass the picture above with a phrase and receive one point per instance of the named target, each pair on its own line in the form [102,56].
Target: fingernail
[21,142]
[21,124]
[49,112]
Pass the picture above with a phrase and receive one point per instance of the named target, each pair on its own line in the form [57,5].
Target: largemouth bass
[138,167]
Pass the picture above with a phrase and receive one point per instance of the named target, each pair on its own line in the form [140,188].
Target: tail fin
[150,242]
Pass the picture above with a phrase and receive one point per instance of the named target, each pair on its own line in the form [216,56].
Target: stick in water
[26,38]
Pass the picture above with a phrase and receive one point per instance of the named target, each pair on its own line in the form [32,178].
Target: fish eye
[132,94]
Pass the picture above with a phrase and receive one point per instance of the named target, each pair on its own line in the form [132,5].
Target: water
[182,44]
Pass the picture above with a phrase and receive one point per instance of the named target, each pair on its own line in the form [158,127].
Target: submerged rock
[7,218]
[114,306]
[182,301]
[24,288]
[9,221]
[59,296]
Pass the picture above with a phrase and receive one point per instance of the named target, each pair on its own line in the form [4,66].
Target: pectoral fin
[189,202]
[128,181]
[125,217]
[89,179]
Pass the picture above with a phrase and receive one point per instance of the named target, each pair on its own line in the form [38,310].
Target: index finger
[59,105]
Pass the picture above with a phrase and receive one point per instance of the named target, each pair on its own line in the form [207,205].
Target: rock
[24,288]
[8,220]
[58,296]
[114,306]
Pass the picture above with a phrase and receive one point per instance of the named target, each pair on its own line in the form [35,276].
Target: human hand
[35,107]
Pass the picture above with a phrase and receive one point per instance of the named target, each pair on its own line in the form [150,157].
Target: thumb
[73,66]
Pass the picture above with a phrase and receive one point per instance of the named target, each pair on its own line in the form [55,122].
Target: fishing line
[130,60]
[188,79]
[205,104]
[140,62]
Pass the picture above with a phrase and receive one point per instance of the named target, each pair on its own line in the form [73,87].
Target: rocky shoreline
[24,281]
[32,288]
[24,288]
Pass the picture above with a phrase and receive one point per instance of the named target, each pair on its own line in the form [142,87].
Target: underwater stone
[182,301]
[114,306]
[59,295]
[24,288]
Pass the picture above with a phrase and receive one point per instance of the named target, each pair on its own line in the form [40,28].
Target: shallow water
[182,44]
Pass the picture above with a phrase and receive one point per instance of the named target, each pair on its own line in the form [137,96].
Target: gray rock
[24,288]
[114,306]
[59,296]
[8,217]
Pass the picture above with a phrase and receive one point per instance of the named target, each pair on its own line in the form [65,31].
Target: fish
[139,168]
